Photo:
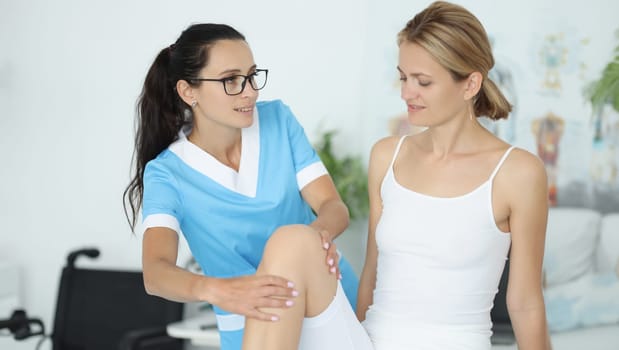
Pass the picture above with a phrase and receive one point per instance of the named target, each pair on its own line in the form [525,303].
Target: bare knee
[295,252]
[294,243]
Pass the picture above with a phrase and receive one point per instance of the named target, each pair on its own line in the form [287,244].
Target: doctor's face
[222,102]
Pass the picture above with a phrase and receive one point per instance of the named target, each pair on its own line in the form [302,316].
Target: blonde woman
[447,204]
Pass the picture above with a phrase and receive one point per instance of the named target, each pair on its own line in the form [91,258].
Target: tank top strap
[498,166]
[397,150]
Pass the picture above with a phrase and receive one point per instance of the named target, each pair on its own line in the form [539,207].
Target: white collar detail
[244,182]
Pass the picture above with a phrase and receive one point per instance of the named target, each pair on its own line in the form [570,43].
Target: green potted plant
[349,175]
[605,90]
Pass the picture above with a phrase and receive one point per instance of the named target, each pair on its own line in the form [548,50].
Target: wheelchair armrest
[134,340]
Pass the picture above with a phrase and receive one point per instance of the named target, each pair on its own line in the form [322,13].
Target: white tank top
[439,259]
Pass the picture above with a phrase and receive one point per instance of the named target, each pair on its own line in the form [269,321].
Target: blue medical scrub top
[227,216]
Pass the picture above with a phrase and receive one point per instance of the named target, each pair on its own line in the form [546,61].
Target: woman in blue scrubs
[226,171]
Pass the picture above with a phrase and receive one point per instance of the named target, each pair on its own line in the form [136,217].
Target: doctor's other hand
[333,258]
[246,294]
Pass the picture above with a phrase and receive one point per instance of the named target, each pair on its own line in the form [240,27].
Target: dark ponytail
[161,113]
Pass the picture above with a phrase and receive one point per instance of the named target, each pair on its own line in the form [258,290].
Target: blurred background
[71,71]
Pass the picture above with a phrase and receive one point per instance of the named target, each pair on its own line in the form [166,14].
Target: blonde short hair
[456,39]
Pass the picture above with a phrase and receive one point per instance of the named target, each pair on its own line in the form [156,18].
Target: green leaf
[348,174]
[605,90]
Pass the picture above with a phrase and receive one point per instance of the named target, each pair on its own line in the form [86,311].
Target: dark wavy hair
[161,113]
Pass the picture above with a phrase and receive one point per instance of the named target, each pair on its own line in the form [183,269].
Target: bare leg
[293,252]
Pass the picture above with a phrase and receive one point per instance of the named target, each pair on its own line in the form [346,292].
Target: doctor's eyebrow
[237,71]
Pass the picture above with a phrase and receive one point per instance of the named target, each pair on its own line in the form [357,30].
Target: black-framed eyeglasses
[235,84]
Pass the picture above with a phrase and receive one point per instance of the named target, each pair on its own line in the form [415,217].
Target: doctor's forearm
[333,217]
[173,283]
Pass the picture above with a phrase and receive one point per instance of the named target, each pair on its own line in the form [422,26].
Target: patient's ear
[473,85]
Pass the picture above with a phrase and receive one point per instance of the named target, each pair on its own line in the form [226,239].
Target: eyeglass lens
[236,84]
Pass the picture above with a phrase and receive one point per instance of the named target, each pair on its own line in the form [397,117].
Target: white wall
[70,73]
[71,70]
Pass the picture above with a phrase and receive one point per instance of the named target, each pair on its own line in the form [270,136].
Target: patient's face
[430,92]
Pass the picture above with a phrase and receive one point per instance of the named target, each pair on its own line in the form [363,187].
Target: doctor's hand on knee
[247,294]
[333,257]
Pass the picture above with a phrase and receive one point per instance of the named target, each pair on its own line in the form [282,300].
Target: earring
[472,108]
[194,103]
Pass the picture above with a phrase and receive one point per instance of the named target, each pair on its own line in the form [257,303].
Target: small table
[201,329]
